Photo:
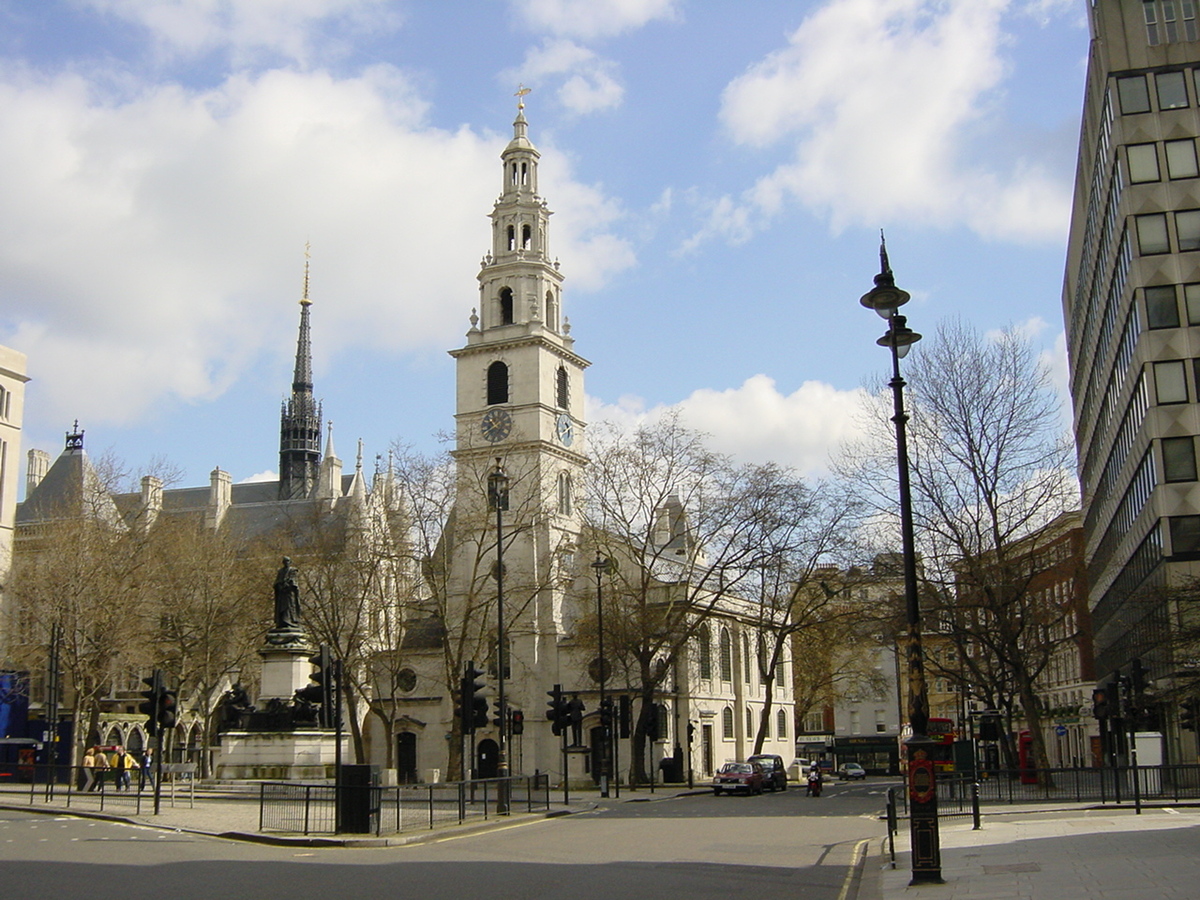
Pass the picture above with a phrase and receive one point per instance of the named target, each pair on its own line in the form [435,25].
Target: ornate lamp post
[886,299]
[497,494]
[602,565]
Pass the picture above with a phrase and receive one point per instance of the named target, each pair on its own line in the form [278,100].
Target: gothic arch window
[727,723]
[564,493]
[506,306]
[526,237]
[749,721]
[705,653]
[497,383]
[781,729]
[563,388]
[726,656]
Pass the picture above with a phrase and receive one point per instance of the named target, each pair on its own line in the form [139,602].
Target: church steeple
[300,419]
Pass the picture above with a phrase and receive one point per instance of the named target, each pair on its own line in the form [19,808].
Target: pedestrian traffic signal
[150,706]
[518,722]
[557,712]
[1101,707]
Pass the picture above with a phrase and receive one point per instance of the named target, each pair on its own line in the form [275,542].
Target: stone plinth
[285,669]
[278,755]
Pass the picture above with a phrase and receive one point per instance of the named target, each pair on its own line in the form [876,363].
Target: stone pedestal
[278,755]
[285,664]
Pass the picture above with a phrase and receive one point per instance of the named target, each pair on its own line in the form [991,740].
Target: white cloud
[756,422]
[886,104]
[590,19]
[590,81]
[294,29]
[151,248]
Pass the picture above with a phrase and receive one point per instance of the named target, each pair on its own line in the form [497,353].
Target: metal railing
[1152,784]
[318,809]
[95,788]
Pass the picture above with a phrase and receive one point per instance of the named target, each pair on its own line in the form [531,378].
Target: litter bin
[358,799]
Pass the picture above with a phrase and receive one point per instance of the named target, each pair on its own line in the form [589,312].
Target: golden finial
[520,95]
[304,301]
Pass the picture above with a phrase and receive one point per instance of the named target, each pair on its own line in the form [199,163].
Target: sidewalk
[1066,854]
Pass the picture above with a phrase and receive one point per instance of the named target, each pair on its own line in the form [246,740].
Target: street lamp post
[497,492]
[886,299]
[602,565]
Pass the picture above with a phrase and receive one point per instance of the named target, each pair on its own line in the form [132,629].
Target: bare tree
[991,465]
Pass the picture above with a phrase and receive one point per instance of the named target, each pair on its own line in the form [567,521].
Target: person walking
[122,764]
[100,768]
[148,767]
[89,768]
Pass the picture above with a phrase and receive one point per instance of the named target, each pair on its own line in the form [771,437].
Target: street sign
[1060,730]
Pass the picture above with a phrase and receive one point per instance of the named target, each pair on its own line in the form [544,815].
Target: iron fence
[321,809]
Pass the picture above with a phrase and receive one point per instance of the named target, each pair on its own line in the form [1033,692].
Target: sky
[719,174]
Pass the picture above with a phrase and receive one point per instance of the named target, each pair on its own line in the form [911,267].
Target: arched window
[506,306]
[526,237]
[727,723]
[726,656]
[781,729]
[512,238]
[524,173]
[750,729]
[705,654]
[563,388]
[564,493]
[746,657]
[497,383]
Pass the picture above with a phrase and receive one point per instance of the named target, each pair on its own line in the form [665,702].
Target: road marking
[860,851]
[459,837]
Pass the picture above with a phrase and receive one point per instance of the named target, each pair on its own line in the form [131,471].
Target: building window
[1185,534]
[727,724]
[506,306]
[1179,458]
[563,388]
[565,504]
[497,383]
[1143,163]
[1181,159]
[1152,234]
[781,729]
[750,729]
[726,660]
[1172,92]
[1187,229]
[705,637]
[1161,309]
[746,658]
[880,721]
[1134,96]
[1191,300]
[1170,383]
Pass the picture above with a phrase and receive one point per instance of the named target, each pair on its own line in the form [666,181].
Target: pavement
[1051,854]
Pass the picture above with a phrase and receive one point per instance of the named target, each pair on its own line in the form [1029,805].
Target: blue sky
[719,174]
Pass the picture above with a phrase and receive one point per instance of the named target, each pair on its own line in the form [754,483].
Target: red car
[739,776]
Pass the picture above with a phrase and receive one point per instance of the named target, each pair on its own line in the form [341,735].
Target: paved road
[767,847]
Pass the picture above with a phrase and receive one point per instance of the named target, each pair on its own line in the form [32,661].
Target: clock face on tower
[565,429]
[496,425]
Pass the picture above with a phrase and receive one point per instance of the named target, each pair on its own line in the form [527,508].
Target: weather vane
[520,95]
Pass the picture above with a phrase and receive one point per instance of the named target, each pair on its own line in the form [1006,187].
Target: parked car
[774,774]
[739,776]
[850,771]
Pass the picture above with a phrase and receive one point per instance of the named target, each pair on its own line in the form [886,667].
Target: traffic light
[989,726]
[472,705]
[1188,710]
[1101,707]
[557,713]
[606,714]
[320,691]
[167,709]
[150,706]
[1138,677]
[652,722]
[691,732]
[518,722]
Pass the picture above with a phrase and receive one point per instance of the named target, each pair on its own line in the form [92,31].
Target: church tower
[520,399]
[300,419]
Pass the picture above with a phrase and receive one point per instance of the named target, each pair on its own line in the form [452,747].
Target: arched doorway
[406,757]
[488,760]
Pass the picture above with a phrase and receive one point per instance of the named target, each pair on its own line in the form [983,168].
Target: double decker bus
[941,732]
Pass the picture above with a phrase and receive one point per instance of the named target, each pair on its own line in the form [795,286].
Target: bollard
[975,805]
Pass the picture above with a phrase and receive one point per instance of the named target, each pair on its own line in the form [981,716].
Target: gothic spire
[300,422]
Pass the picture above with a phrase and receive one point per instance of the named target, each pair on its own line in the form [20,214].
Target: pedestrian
[148,766]
[89,768]
[123,763]
[101,767]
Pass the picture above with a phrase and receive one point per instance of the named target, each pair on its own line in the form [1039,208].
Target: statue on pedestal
[288,629]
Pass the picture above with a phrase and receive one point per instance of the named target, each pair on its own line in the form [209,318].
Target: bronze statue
[287,598]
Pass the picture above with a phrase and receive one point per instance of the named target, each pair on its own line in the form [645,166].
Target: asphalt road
[765,847]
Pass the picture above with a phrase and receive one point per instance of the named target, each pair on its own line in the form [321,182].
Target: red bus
[941,732]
